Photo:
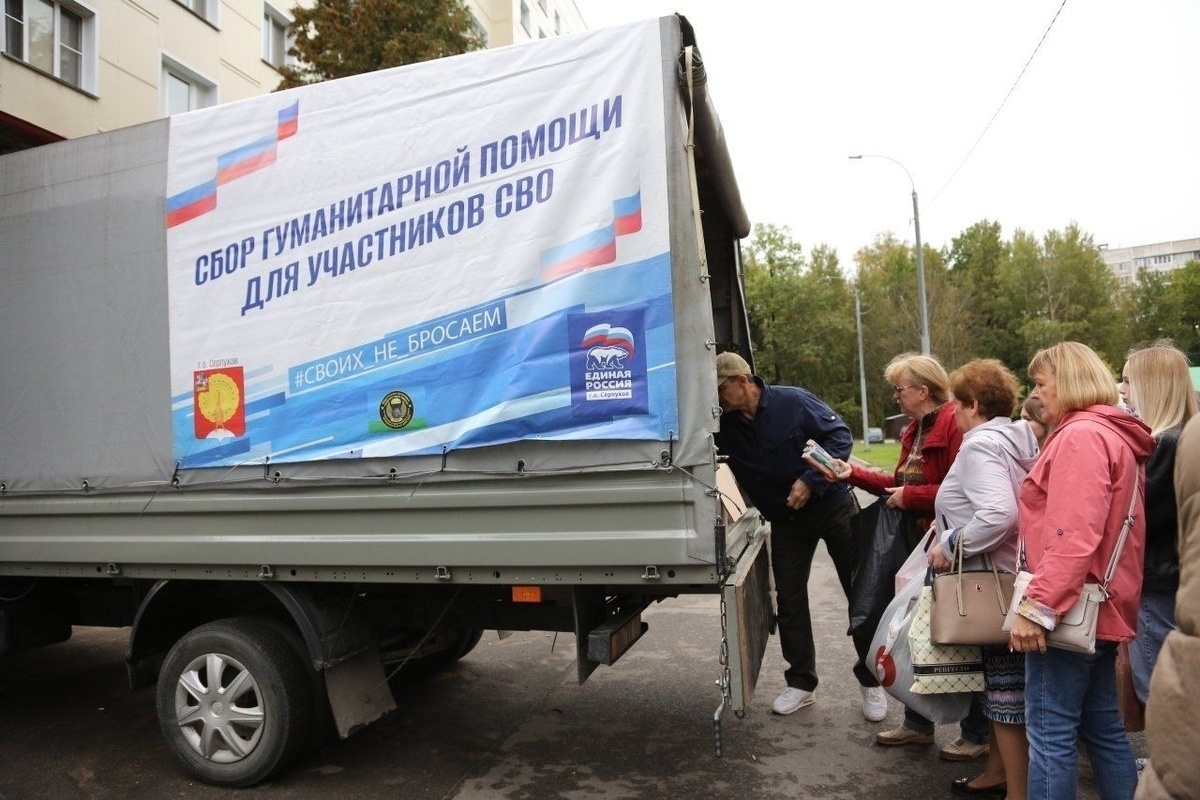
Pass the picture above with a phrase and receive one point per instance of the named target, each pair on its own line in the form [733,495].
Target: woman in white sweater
[976,508]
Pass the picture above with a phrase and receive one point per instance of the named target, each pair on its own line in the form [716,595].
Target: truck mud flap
[748,621]
[605,628]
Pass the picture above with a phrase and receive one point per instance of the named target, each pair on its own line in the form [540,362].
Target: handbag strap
[958,568]
[1116,553]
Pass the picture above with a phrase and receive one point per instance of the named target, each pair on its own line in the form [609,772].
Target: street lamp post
[920,255]
[862,369]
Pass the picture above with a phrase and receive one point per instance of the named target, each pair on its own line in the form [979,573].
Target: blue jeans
[1071,696]
[1156,618]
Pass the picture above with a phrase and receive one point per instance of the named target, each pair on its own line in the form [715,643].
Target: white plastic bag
[893,664]
[917,561]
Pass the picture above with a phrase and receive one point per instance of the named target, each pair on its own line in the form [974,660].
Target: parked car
[874,435]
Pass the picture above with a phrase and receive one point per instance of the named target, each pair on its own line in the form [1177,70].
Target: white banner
[452,254]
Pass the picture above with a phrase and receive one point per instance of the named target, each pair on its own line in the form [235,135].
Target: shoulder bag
[1076,629]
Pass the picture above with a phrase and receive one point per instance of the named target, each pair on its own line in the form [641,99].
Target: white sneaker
[792,700]
[874,703]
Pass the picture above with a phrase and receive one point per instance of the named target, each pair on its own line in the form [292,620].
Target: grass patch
[878,455]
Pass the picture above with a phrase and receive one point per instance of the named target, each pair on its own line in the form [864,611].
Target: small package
[819,457]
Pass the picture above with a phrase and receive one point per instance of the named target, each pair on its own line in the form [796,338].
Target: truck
[309,390]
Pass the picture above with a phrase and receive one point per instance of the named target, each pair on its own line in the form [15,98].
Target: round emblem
[396,410]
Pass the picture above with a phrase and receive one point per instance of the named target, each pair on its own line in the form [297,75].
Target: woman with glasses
[928,446]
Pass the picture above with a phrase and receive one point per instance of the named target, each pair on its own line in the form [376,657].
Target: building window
[183,89]
[557,24]
[525,23]
[275,38]
[57,38]
[480,31]
[206,9]
[542,5]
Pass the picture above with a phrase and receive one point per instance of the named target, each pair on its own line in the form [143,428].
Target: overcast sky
[1103,128]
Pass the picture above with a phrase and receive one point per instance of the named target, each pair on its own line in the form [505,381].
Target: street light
[862,370]
[920,255]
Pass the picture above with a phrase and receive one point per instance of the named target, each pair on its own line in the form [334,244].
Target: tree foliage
[337,38]
[988,297]
[801,316]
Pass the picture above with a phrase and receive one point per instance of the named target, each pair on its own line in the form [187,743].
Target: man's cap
[731,364]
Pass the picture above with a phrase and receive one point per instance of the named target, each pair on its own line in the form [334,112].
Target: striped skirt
[1004,685]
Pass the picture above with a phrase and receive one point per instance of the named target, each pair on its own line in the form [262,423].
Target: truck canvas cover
[490,260]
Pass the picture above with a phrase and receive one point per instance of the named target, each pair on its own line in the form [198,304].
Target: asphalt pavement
[509,721]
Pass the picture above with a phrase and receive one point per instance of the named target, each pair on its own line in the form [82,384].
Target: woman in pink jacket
[1071,510]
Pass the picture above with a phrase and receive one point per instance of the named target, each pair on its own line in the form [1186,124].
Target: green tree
[825,340]
[1065,291]
[337,38]
[1185,295]
[1150,308]
[887,284]
[801,318]
[976,258]
[773,266]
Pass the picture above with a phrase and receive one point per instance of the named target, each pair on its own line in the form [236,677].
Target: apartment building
[69,68]
[503,22]
[1127,263]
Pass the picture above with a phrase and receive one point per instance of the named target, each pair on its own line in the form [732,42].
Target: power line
[999,108]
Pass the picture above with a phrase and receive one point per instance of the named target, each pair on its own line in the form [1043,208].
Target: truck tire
[234,702]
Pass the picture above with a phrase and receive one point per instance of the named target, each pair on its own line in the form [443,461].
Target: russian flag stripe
[605,254]
[192,210]
[628,205]
[574,248]
[598,247]
[232,165]
[246,166]
[290,113]
[186,198]
[630,223]
[289,119]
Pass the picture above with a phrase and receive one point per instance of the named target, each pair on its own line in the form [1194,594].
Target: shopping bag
[917,563]
[893,665]
[880,534]
[940,668]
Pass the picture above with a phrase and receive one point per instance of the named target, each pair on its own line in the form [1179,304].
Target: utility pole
[925,346]
[862,369]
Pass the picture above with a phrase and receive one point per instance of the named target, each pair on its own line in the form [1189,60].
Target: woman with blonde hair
[1156,385]
[928,446]
[1072,510]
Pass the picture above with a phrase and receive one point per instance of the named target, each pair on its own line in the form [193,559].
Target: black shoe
[963,786]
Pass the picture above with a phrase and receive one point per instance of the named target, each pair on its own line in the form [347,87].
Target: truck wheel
[233,701]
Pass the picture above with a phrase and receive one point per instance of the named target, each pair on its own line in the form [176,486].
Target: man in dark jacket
[763,432]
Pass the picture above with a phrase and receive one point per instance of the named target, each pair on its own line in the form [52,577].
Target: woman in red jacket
[1071,510]
[928,446]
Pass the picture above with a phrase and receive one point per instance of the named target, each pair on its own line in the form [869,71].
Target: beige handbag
[969,606]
